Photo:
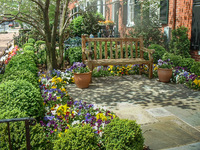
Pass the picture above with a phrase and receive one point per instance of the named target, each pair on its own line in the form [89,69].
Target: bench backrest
[127,47]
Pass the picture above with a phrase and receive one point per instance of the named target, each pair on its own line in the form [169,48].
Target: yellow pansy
[53,87]
[195,81]
[101,116]
[60,134]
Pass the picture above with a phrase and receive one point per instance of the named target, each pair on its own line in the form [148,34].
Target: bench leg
[91,69]
[150,70]
[140,69]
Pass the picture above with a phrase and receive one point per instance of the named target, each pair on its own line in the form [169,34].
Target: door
[195,37]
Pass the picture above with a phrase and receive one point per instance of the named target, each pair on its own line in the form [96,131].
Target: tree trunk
[61,51]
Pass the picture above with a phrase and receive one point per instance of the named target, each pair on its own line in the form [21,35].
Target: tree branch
[67,21]
[39,3]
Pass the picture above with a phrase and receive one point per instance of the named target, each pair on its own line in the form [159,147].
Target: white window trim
[104,8]
[129,22]
[113,10]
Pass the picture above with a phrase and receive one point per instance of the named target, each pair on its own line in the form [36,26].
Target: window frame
[130,21]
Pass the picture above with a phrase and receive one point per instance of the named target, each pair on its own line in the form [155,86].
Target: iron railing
[28,121]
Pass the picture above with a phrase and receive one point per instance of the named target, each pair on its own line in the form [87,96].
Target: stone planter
[164,74]
[82,80]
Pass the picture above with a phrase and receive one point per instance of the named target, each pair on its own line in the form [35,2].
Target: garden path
[168,113]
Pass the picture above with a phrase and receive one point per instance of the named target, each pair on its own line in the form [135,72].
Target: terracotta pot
[164,74]
[82,80]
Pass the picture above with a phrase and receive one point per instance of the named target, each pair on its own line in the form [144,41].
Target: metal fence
[28,121]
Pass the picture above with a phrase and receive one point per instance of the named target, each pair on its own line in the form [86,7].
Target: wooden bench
[92,56]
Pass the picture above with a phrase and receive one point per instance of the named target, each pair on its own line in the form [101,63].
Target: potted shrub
[164,70]
[82,75]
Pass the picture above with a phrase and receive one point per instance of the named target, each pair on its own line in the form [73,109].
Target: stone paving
[169,114]
[5,38]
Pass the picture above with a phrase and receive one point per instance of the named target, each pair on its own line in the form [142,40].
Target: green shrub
[18,137]
[123,134]
[77,138]
[195,68]
[23,75]
[41,56]
[21,62]
[27,44]
[31,54]
[180,44]
[1,77]
[40,42]
[22,95]
[29,48]
[159,52]
[175,59]
[74,54]
[187,63]
[31,40]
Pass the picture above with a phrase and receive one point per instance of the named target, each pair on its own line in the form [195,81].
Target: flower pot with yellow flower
[164,70]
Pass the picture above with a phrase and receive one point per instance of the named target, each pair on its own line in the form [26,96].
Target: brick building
[172,14]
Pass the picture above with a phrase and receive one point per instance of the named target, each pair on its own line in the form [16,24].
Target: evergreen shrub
[77,138]
[195,68]
[22,95]
[123,134]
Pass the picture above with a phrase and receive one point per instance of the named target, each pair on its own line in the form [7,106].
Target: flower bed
[62,112]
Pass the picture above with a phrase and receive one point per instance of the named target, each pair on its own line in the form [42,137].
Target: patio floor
[169,114]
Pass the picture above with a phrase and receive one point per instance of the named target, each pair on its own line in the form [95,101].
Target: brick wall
[183,14]
[195,55]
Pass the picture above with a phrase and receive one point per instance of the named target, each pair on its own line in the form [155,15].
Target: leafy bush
[180,44]
[86,24]
[175,59]
[123,134]
[37,137]
[77,138]
[41,56]
[27,44]
[1,77]
[29,48]
[187,63]
[21,62]
[31,40]
[195,68]
[159,52]
[40,42]
[30,54]
[22,95]
[23,75]
[74,54]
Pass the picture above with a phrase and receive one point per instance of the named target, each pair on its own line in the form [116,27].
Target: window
[164,8]
[101,7]
[130,12]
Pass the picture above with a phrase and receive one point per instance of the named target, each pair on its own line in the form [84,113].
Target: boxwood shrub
[159,52]
[22,95]
[29,48]
[123,134]
[23,75]
[27,44]
[18,134]
[31,40]
[187,63]
[77,138]
[196,68]
[176,59]
[21,62]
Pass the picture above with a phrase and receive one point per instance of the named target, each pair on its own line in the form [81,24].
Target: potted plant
[82,75]
[164,70]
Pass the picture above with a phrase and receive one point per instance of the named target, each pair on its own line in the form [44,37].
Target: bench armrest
[88,53]
[150,51]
